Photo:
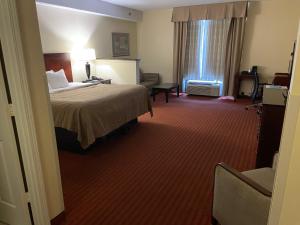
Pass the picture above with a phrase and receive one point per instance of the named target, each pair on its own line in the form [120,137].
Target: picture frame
[120,44]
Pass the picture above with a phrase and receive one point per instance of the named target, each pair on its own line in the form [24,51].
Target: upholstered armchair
[149,79]
[242,198]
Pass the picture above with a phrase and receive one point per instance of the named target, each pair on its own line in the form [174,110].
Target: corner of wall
[40,102]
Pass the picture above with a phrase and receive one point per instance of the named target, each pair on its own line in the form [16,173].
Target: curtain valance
[210,12]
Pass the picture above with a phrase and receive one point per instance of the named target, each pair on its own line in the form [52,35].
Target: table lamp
[87,55]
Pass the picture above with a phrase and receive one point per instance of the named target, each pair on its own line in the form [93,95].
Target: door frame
[22,109]
[285,200]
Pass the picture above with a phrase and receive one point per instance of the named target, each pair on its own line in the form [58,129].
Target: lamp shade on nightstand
[86,54]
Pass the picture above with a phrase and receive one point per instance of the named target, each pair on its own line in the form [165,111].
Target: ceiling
[161,4]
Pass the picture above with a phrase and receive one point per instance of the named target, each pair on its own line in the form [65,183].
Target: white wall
[119,71]
[63,30]
[97,7]
[155,43]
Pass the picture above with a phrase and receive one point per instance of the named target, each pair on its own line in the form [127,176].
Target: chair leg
[214,221]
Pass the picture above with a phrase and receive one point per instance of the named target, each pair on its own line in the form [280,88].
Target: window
[206,47]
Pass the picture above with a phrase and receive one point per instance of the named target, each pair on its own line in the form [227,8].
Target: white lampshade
[86,54]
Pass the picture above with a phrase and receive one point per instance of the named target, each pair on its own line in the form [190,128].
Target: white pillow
[49,71]
[49,87]
[57,79]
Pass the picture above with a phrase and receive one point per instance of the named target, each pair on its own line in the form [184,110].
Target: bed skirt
[67,140]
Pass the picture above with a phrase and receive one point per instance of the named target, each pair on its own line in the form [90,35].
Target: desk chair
[280,79]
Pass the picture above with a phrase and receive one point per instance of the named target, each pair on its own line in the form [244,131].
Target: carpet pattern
[161,171]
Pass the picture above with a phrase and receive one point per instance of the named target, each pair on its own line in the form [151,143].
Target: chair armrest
[239,200]
[246,180]
[275,161]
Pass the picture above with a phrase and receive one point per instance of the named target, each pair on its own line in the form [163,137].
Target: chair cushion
[264,177]
[148,84]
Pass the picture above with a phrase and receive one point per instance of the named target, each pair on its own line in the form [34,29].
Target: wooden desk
[239,78]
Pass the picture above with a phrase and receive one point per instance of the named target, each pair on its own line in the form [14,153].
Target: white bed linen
[71,86]
[57,79]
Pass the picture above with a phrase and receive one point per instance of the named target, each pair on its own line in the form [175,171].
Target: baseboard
[59,219]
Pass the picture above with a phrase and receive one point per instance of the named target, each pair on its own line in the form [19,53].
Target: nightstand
[92,81]
[105,81]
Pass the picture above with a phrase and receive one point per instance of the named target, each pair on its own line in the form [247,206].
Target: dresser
[271,123]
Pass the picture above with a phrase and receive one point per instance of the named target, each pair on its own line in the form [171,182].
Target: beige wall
[63,30]
[41,108]
[155,43]
[120,71]
[270,33]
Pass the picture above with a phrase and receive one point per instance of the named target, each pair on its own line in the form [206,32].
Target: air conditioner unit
[205,88]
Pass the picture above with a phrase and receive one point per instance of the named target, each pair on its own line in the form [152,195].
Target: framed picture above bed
[120,44]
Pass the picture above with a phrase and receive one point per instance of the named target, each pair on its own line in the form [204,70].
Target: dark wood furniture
[103,81]
[242,76]
[57,61]
[271,122]
[282,79]
[166,88]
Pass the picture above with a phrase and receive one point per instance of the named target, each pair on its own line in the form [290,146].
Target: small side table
[167,88]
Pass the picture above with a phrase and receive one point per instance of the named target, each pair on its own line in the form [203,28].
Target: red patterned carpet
[161,171]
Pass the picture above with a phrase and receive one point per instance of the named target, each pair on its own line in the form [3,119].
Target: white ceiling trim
[97,7]
[144,5]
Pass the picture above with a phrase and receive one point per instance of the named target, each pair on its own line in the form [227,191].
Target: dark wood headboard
[57,61]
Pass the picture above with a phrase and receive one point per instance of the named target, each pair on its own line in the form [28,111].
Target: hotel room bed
[93,111]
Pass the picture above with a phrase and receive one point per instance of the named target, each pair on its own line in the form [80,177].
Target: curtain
[180,44]
[205,54]
[210,12]
[192,58]
[203,33]
[233,54]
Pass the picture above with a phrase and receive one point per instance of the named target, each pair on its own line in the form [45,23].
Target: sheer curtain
[206,49]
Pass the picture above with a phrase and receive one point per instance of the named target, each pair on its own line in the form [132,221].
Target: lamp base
[88,70]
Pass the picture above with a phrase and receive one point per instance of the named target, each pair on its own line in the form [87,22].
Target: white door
[14,209]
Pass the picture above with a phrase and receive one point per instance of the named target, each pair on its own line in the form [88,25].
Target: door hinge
[11,110]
